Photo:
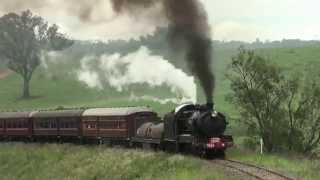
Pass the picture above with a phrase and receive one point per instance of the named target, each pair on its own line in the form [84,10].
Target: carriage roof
[124,111]
[62,113]
[14,115]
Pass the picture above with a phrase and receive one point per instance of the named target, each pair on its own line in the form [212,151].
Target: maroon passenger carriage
[15,125]
[115,125]
[109,125]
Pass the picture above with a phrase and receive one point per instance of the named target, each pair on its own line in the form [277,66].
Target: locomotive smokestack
[189,31]
[210,106]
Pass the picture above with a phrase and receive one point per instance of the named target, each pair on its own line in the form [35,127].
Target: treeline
[159,45]
[279,106]
[285,43]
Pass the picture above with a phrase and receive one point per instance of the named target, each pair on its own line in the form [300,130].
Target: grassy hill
[292,59]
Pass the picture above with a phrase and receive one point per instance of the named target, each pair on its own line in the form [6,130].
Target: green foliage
[251,143]
[276,107]
[23,40]
[302,106]
[257,91]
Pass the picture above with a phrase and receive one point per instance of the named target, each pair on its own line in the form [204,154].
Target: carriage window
[91,125]
[1,124]
[22,123]
[122,124]
[46,123]
[17,124]
[69,123]
[8,124]
[90,122]
[52,123]
[113,124]
[12,123]
[109,124]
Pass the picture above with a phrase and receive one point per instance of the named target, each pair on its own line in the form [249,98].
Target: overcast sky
[266,19]
[243,20]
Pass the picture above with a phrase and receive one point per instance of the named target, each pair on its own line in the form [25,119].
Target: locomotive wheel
[218,154]
[171,147]
[186,148]
[198,151]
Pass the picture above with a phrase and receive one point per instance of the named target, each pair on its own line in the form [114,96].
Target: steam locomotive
[190,128]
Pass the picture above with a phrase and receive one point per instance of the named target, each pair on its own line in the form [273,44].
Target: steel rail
[255,170]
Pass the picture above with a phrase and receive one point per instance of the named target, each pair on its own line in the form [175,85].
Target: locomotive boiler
[207,122]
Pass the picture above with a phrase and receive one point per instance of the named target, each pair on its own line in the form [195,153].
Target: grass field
[66,161]
[50,161]
[291,164]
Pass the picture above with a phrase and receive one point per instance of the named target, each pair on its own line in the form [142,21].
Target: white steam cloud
[51,57]
[140,67]
[133,97]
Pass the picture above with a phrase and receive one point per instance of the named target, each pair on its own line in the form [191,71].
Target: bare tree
[23,38]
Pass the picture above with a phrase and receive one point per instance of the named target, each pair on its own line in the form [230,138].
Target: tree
[283,110]
[23,39]
[258,94]
[302,107]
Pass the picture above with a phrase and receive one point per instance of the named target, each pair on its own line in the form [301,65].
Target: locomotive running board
[142,140]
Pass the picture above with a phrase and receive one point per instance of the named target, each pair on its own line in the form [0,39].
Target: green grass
[64,90]
[291,164]
[51,161]
[66,161]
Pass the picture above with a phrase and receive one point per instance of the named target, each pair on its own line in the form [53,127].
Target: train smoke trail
[122,71]
[188,30]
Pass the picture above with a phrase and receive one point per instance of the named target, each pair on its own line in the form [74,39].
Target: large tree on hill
[23,40]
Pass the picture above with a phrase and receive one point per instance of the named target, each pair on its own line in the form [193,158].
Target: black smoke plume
[188,30]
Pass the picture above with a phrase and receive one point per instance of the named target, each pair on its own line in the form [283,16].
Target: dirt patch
[4,73]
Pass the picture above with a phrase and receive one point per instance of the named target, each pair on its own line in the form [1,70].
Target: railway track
[253,171]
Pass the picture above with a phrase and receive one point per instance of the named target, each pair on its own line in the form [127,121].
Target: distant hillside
[159,45]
